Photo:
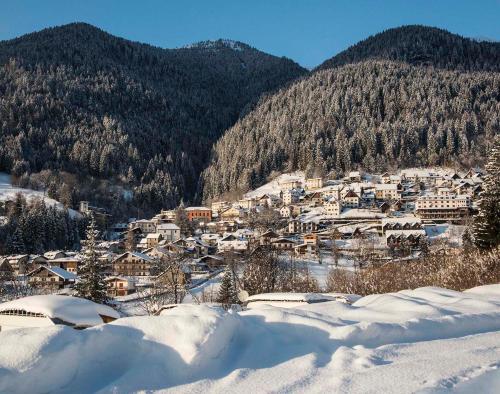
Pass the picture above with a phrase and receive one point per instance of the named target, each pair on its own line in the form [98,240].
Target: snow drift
[428,339]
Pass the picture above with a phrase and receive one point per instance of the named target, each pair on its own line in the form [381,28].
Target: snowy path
[427,340]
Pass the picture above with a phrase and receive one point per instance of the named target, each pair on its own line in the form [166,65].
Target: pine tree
[181,220]
[91,285]
[487,222]
[227,291]
[15,243]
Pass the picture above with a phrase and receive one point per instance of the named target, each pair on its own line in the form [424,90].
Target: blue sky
[307,31]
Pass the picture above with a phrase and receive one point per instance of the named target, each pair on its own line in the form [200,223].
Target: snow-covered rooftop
[73,310]
[167,226]
[300,297]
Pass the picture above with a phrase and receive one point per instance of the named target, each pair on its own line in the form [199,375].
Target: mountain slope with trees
[422,45]
[78,103]
[374,114]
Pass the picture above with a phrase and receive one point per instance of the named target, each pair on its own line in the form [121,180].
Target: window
[21,312]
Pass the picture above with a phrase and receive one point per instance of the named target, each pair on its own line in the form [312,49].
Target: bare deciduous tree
[168,286]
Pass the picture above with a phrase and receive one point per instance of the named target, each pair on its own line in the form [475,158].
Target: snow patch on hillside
[273,187]
[427,340]
[8,193]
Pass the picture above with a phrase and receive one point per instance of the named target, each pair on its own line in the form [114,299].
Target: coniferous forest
[134,128]
[370,115]
[87,111]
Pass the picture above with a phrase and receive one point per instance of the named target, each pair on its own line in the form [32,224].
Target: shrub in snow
[456,272]
[266,273]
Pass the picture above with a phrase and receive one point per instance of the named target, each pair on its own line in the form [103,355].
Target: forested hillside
[423,45]
[372,114]
[79,102]
[131,127]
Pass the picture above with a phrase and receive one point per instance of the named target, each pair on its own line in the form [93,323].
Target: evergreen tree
[487,222]
[15,243]
[181,220]
[91,285]
[228,294]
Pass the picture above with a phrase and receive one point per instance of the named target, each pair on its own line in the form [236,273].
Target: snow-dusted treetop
[218,44]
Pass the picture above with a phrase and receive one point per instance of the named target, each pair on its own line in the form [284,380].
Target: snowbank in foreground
[428,340]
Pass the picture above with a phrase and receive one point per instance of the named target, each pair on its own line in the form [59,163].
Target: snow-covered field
[274,187]
[8,192]
[425,340]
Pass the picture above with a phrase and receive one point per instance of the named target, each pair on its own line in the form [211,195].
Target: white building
[297,226]
[435,201]
[219,206]
[354,176]
[314,183]
[286,211]
[387,191]
[169,231]
[146,226]
[351,200]
[247,203]
[290,184]
[445,191]
[443,207]
[333,207]
[290,196]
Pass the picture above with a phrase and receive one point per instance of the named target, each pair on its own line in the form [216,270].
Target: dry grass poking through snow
[457,272]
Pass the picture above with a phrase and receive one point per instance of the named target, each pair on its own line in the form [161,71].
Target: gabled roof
[66,259]
[153,236]
[141,256]
[6,263]
[315,194]
[60,272]
[351,193]
[270,233]
[210,257]
[404,233]
[50,255]
[129,281]
[229,237]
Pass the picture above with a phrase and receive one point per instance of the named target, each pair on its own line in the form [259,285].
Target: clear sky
[307,31]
